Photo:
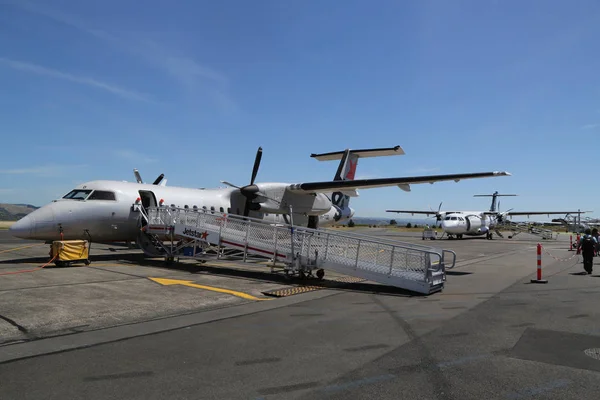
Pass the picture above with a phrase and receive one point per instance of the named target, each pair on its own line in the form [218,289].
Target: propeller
[250,192]
[438,216]
[500,215]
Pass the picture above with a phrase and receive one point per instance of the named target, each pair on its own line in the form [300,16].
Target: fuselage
[469,223]
[104,211]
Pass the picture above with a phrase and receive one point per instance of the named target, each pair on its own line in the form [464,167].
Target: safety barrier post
[577,243]
[539,266]
[570,242]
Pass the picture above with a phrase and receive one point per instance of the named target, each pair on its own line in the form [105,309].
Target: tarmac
[108,330]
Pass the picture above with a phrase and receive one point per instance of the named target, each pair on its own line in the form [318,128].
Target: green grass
[6,224]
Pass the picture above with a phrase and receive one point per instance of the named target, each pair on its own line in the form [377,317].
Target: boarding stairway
[171,232]
[516,228]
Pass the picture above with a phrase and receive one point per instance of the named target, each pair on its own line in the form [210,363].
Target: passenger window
[221,209]
[102,195]
[212,210]
[229,210]
[453,218]
[186,207]
[195,208]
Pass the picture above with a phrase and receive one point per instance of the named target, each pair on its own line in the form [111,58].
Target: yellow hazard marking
[167,282]
[22,247]
[292,291]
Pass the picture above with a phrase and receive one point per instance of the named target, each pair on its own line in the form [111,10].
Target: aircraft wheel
[320,273]
[87,262]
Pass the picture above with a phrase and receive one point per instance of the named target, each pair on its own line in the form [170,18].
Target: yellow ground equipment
[67,252]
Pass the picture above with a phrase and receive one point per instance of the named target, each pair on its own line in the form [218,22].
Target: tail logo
[351,170]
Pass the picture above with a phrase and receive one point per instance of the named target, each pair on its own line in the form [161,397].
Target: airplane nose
[22,228]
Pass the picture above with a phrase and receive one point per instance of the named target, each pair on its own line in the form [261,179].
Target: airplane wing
[511,213]
[402,183]
[415,212]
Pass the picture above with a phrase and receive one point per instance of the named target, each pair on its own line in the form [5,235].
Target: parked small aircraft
[108,211]
[476,223]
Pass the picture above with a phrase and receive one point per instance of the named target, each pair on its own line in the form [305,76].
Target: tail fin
[494,198]
[347,168]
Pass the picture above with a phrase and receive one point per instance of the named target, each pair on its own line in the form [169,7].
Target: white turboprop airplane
[108,211]
[476,223]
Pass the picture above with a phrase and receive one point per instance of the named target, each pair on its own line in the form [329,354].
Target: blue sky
[91,90]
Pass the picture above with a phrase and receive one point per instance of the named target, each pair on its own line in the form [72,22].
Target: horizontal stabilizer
[323,187]
[493,195]
[349,192]
[364,153]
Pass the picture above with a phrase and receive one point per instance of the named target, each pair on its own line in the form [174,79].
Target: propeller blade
[230,184]
[158,179]
[256,165]
[440,207]
[138,178]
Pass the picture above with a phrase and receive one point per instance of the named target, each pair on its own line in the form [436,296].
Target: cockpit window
[447,218]
[77,194]
[454,218]
[102,195]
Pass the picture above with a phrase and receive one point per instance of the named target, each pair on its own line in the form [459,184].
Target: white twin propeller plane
[476,223]
[103,211]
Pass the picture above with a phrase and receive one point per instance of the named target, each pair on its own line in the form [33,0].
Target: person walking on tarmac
[596,236]
[587,244]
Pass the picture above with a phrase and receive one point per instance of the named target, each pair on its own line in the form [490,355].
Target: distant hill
[14,212]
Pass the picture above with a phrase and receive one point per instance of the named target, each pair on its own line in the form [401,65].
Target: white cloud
[43,170]
[186,71]
[591,126]
[40,70]
[134,156]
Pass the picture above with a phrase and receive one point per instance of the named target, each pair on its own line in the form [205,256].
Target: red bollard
[570,242]
[577,243]
[539,266]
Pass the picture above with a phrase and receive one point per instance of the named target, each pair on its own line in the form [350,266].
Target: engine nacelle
[483,229]
[274,198]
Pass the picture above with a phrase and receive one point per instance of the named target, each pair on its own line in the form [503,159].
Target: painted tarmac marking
[168,282]
[22,247]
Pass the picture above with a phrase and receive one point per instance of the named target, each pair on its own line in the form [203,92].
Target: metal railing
[311,247]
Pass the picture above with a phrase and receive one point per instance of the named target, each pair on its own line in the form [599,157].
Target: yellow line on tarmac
[22,247]
[164,281]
